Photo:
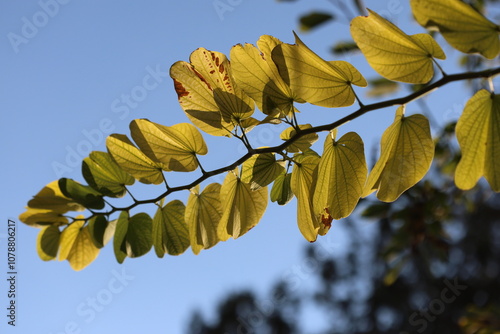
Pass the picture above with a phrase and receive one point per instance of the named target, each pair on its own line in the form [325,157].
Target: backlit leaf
[478,134]
[41,217]
[260,170]
[138,240]
[51,198]
[392,53]
[104,175]
[302,184]
[313,20]
[47,242]
[320,82]
[242,208]
[84,195]
[83,252]
[406,154]
[68,237]
[174,146]
[341,176]
[203,213]
[120,236]
[133,161]
[281,192]
[460,24]
[303,143]
[255,72]
[97,229]
[170,231]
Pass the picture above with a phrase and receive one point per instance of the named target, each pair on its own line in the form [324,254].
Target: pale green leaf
[68,238]
[302,184]
[406,155]
[281,192]
[203,213]
[97,229]
[341,176]
[51,198]
[173,146]
[261,169]
[170,231]
[41,217]
[133,161]
[138,240]
[120,236]
[83,252]
[392,53]
[104,175]
[47,242]
[320,82]
[460,24]
[303,143]
[242,208]
[478,134]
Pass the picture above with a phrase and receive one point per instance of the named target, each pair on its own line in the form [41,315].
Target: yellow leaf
[68,237]
[203,213]
[170,232]
[406,155]
[47,242]
[83,251]
[392,53]
[460,24]
[133,161]
[51,198]
[302,184]
[242,208]
[478,134]
[320,82]
[260,170]
[341,176]
[196,98]
[41,217]
[303,143]
[173,146]
[255,72]
[281,192]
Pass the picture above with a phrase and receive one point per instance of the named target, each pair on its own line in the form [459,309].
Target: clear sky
[73,72]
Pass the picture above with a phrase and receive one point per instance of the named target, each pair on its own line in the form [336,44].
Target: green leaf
[406,155]
[320,82]
[47,242]
[170,231]
[242,208]
[255,72]
[281,191]
[303,143]
[197,100]
[302,186]
[174,146]
[51,198]
[460,24]
[41,217]
[120,236]
[341,176]
[138,240]
[392,53]
[83,252]
[478,134]
[81,194]
[260,170]
[133,161]
[68,237]
[203,213]
[97,228]
[104,175]
[313,20]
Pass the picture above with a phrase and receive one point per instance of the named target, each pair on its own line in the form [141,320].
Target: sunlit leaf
[133,161]
[478,134]
[203,213]
[242,208]
[170,231]
[68,238]
[392,53]
[341,176]
[47,242]
[260,170]
[174,146]
[51,198]
[104,175]
[281,192]
[41,217]
[313,20]
[120,236]
[138,240]
[460,24]
[97,229]
[83,252]
[302,184]
[84,195]
[255,72]
[406,155]
[303,143]
[320,82]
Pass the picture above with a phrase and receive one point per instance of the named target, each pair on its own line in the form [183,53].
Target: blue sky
[86,70]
